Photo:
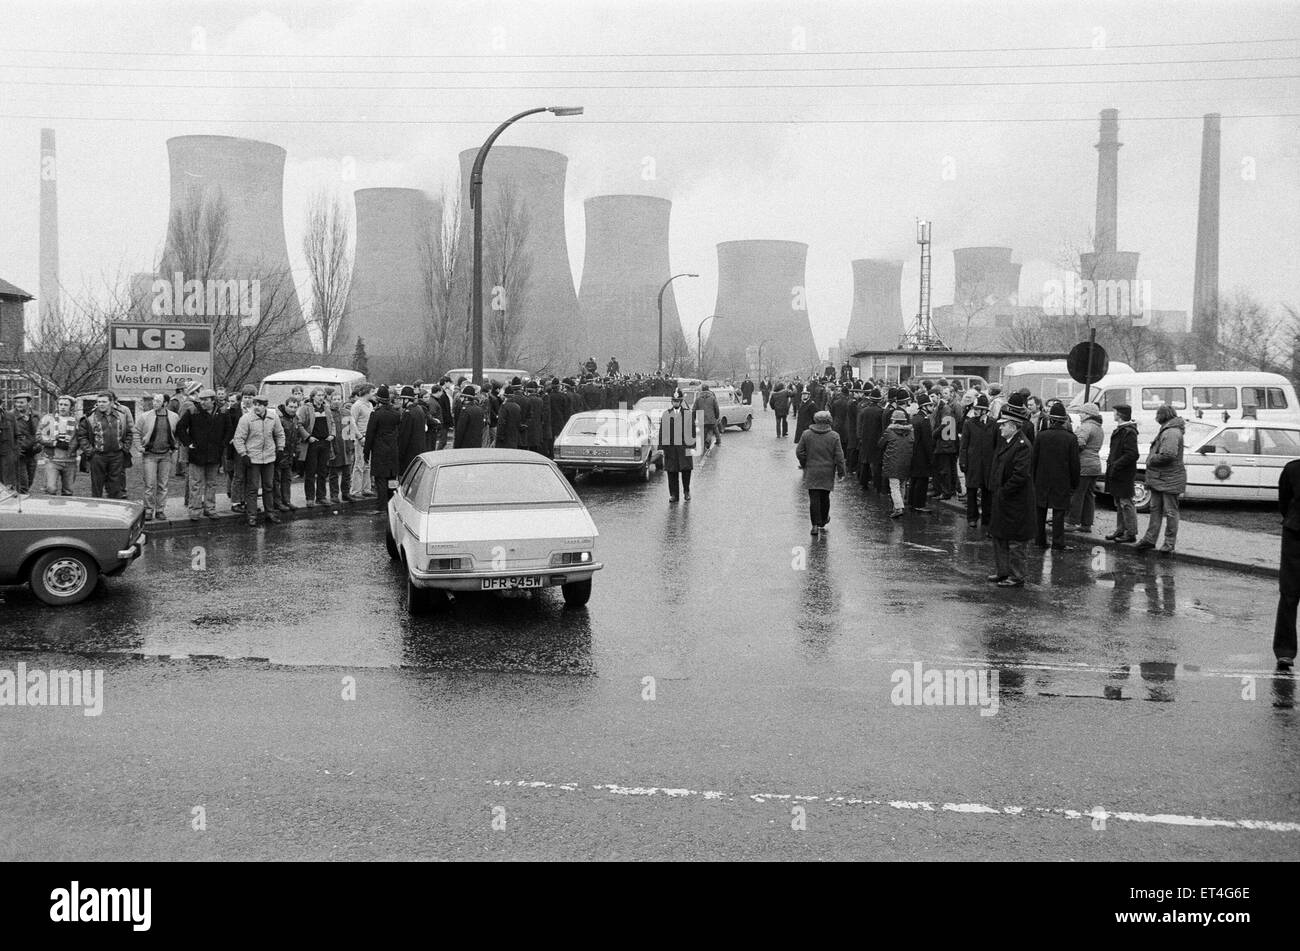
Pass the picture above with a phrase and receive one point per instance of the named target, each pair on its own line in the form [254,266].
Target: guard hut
[899,366]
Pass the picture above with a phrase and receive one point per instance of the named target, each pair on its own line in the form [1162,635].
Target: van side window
[1264,397]
[1214,397]
[1153,397]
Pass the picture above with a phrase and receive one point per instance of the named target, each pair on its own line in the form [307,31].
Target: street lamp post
[760,356]
[699,343]
[476,202]
[660,365]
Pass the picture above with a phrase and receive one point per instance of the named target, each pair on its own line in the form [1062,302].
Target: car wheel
[1141,497]
[391,544]
[63,577]
[644,472]
[722,425]
[749,421]
[659,462]
[576,593]
[419,600]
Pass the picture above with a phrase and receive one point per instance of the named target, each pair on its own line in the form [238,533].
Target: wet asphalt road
[1140,689]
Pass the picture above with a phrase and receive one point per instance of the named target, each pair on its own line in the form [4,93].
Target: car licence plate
[500,584]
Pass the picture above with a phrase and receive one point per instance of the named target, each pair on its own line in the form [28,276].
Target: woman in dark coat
[381,446]
[1121,473]
[677,440]
[1014,510]
[821,457]
[1054,462]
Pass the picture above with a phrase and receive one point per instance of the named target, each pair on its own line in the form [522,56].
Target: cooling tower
[532,180]
[876,322]
[1108,144]
[985,275]
[246,179]
[626,264]
[49,237]
[761,296]
[1205,290]
[388,302]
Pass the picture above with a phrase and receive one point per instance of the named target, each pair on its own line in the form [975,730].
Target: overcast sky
[850,116]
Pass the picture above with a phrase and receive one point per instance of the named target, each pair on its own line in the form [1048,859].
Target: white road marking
[968,808]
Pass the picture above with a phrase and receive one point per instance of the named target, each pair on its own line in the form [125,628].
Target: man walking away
[1284,631]
[780,403]
[1054,462]
[1121,473]
[922,459]
[707,404]
[821,457]
[1014,510]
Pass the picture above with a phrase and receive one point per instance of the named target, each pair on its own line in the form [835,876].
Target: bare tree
[507,266]
[329,264]
[67,352]
[1253,337]
[444,273]
[245,345]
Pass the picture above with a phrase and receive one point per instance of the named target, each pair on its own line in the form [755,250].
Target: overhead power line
[244,70]
[689,86]
[1092,119]
[1085,48]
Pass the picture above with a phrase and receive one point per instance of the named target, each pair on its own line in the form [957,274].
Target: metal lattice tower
[922,335]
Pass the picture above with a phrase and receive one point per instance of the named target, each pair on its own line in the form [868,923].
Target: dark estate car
[60,546]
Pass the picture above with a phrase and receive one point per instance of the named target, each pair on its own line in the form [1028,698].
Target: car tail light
[448,564]
[570,558]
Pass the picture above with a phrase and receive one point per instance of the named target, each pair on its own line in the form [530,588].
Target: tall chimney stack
[1205,291]
[49,233]
[1104,240]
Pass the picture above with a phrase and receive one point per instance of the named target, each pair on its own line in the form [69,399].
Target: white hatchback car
[489,520]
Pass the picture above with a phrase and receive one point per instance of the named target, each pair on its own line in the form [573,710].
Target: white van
[1210,395]
[278,386]
[1048,379]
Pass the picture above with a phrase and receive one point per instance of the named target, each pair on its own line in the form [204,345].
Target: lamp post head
[565,110]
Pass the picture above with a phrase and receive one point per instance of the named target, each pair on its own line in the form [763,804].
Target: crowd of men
[1010,457]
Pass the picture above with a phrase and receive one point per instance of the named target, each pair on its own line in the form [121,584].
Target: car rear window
[499,483]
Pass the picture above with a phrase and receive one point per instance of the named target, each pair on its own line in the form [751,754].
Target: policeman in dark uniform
[1288,500]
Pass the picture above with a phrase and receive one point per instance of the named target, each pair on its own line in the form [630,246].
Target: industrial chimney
[876,321]
[245,178]
[48,305]
[761,296]
[1107,182]
[625,265]
[388,303]
[1205,291]
[533,181]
